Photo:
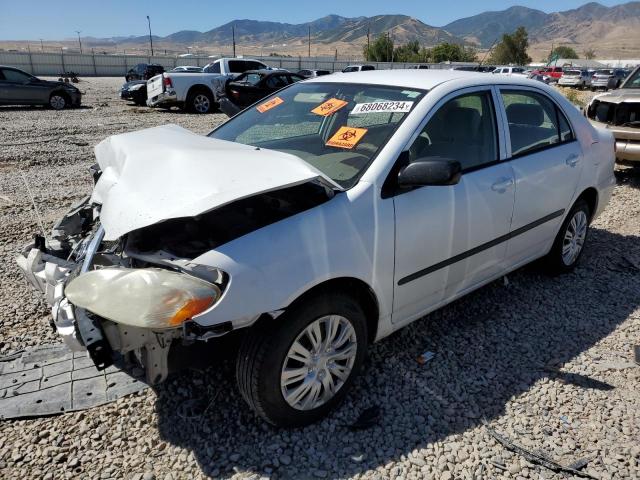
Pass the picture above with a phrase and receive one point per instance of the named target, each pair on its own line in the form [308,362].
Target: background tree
[409,52]
[451,52]
[562,51]
[512,49]
[380,50]
[589,54]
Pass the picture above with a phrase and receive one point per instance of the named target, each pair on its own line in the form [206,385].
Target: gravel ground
[495,355]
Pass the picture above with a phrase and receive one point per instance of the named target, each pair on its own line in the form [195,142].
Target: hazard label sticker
[382,107]
[269,104]
[346,137]
[330,106]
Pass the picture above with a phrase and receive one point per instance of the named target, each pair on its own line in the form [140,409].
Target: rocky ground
[547,362]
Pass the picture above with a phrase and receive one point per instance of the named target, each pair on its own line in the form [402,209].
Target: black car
[135,91]
[21,88]
[144,71]
[313,73]
[249,87]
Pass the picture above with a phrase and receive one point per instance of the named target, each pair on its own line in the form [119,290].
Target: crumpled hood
[167,172]
[620,95]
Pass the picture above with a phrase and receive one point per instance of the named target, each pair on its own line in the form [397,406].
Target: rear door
[547,160]
[451,238]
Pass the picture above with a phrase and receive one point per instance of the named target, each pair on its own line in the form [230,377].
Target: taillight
[166,81]
[235,93]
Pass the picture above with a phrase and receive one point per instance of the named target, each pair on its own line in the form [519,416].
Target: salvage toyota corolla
[318,221]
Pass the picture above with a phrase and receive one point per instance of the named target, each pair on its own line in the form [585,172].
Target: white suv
[318,221]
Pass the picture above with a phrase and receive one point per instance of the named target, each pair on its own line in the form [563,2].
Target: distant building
[621,63]
[578,63]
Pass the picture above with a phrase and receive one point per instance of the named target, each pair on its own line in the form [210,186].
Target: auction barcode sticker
[269,104]
[382,107]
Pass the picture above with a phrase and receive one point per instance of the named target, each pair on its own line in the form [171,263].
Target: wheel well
[590,195]
[199,88]
[62,93]
[353,287]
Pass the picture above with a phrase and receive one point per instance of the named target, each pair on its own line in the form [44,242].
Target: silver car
[608,78]
[575,78]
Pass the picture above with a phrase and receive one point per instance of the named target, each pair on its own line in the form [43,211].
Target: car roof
[420,79]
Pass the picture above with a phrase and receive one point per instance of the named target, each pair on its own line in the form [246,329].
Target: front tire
[58,101]
[294,373]
[569,243]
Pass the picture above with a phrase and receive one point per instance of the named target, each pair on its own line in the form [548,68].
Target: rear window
[368,67]
[604,72]
[572,72]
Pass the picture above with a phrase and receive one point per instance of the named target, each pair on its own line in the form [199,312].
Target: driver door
[450,239]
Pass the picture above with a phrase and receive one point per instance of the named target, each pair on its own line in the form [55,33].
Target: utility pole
[41,45]
[150,37]
[233,36]
[309,41]
[78,32]
[368,42]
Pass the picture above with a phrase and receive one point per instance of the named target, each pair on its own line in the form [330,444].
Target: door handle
[502,184]
[572,160]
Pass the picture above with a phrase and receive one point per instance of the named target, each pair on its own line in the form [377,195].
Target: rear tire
[292,380]
[58,101]
[200,101]
[569,243]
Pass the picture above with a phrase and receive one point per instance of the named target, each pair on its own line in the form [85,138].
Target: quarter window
[463,129]
[535,122]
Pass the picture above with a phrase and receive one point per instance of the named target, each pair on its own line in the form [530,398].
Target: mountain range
[612,32]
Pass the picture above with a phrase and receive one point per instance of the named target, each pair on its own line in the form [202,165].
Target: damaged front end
[91,284]
[619,112]
[121,269]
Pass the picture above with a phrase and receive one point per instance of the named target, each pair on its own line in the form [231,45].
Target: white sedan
[318,221]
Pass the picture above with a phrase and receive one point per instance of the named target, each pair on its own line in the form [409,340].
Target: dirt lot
[495,355]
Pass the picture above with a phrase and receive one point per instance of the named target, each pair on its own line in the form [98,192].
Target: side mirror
[430,171]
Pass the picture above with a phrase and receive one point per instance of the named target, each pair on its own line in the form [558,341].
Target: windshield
[337,128]
[633,81]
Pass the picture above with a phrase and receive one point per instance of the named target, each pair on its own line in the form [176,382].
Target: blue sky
[50,20]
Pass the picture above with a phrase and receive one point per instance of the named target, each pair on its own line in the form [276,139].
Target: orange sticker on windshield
[268,105]
[330,106]
[346,137]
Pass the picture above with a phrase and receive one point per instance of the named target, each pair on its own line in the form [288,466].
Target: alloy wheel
[57,102]
[574,238]
[201,103]
[318,362]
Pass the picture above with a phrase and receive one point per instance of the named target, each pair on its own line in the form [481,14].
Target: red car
[553,72]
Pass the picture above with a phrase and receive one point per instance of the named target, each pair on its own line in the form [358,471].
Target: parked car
[249,87]
[135,91]
[420,67]
[313,73]
[188,69]
[196,91]
[21,88]
[554,73]
[358,68]
[510,71]
[143,71]
[619,112]
[608,78]
[328,216]
[575,78]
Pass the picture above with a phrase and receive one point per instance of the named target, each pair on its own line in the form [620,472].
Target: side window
[276,81]
[462,129]
[535,122]
[1,76]
[15,76]
[366,68]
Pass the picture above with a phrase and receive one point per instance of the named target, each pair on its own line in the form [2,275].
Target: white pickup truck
[196,91]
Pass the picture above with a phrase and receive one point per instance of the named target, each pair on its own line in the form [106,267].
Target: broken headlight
[142,297]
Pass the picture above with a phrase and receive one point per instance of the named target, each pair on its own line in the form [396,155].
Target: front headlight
[142,297]
[137,87]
